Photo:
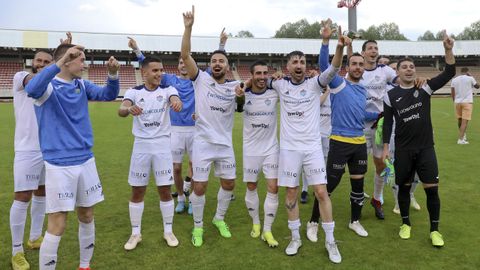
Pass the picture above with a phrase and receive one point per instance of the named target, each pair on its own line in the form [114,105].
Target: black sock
[404,203]
[356,198]
[433,206]
[188,179]
[315,211]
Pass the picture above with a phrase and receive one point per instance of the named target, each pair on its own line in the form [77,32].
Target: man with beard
[301,144]
[410,106]
[214,108]
[260,150]
[183,123]
[375,79]
[28,165]
[347,141]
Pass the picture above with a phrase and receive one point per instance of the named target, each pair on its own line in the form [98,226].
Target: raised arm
[134,46]
[190,65]
[326,33]
[109,91]
[223,40]
[331,72]
[449,72]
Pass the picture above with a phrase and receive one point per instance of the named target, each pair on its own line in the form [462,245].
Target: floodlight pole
[352,19]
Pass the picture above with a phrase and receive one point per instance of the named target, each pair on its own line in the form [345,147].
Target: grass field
[382,249]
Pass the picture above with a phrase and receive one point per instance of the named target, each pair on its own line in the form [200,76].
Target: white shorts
[252,166]
[377,150]
[222,156]
[181,143]
[290,163]
[68,187]
[141,164]
[28,171]
[325,146]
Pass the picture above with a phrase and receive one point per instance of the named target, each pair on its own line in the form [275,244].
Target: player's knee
[85,214]
[177,169]
[272,187]
[291,194]
[57,223]
[138,193]
[321,194]
[251,186]
[164,193]
[23,196]
[227,184]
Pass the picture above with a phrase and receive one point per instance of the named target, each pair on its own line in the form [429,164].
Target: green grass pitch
[382,249]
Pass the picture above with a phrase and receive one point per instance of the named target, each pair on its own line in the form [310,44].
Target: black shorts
[423,162]
[341,154]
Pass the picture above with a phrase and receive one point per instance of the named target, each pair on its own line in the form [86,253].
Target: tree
[428,35]
[385,31]
[244,34]
[301,29]
[470,33]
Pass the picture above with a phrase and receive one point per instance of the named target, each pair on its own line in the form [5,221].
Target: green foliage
[382,249]
[385,31]
[301,29]
[471,33]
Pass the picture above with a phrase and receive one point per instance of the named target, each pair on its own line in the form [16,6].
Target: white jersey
[463,85]
[153,125]
[326,117]
[214,108]
[260,123]
[299,114]
[26,127]
[375,82]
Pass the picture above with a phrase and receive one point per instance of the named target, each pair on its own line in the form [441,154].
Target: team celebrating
[327,122]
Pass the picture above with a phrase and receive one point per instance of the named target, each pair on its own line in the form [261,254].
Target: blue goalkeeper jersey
[61,108]
[187,96]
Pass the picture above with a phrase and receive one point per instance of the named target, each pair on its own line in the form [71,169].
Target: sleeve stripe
[428,89]
[39,101]
[338,88]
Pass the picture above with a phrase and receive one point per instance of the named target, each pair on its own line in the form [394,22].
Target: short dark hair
[354,54]
[257,63]
[295,53]
[61,50]
[464,70]
[220,52]
[405,59]
[364,45]
[42,51]
[150,59]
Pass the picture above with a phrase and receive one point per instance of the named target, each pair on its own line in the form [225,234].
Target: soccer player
[462,95]
[375,79]
[414,151]
[260,150]
[301,145]
[347,140]
[65,135]
[214,108]
[149,105]
[183,124]
[28,167]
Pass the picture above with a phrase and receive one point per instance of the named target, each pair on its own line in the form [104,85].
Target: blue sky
[261,17]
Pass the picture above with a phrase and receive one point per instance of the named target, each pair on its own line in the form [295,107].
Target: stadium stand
[7,71]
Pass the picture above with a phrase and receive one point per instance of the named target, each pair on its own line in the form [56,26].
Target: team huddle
[327,122]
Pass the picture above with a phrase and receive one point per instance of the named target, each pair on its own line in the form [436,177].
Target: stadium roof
[11,38]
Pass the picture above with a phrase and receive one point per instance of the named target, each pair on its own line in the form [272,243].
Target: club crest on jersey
[303,92]
[268,102]
[415,94]
[77,91]
[159,98]
[377,78]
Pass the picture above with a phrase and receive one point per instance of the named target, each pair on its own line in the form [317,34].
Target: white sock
[294,226]
[252,202]
[378,188]
[414,186]
[186,186]
[395,195]
[86,238]
[37,215]
[270,207]
[167,215]
[48,251]
[223,201]
[198,204]
[18,215]
[181,198]
[328,228]
[136,212]
[304,184]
